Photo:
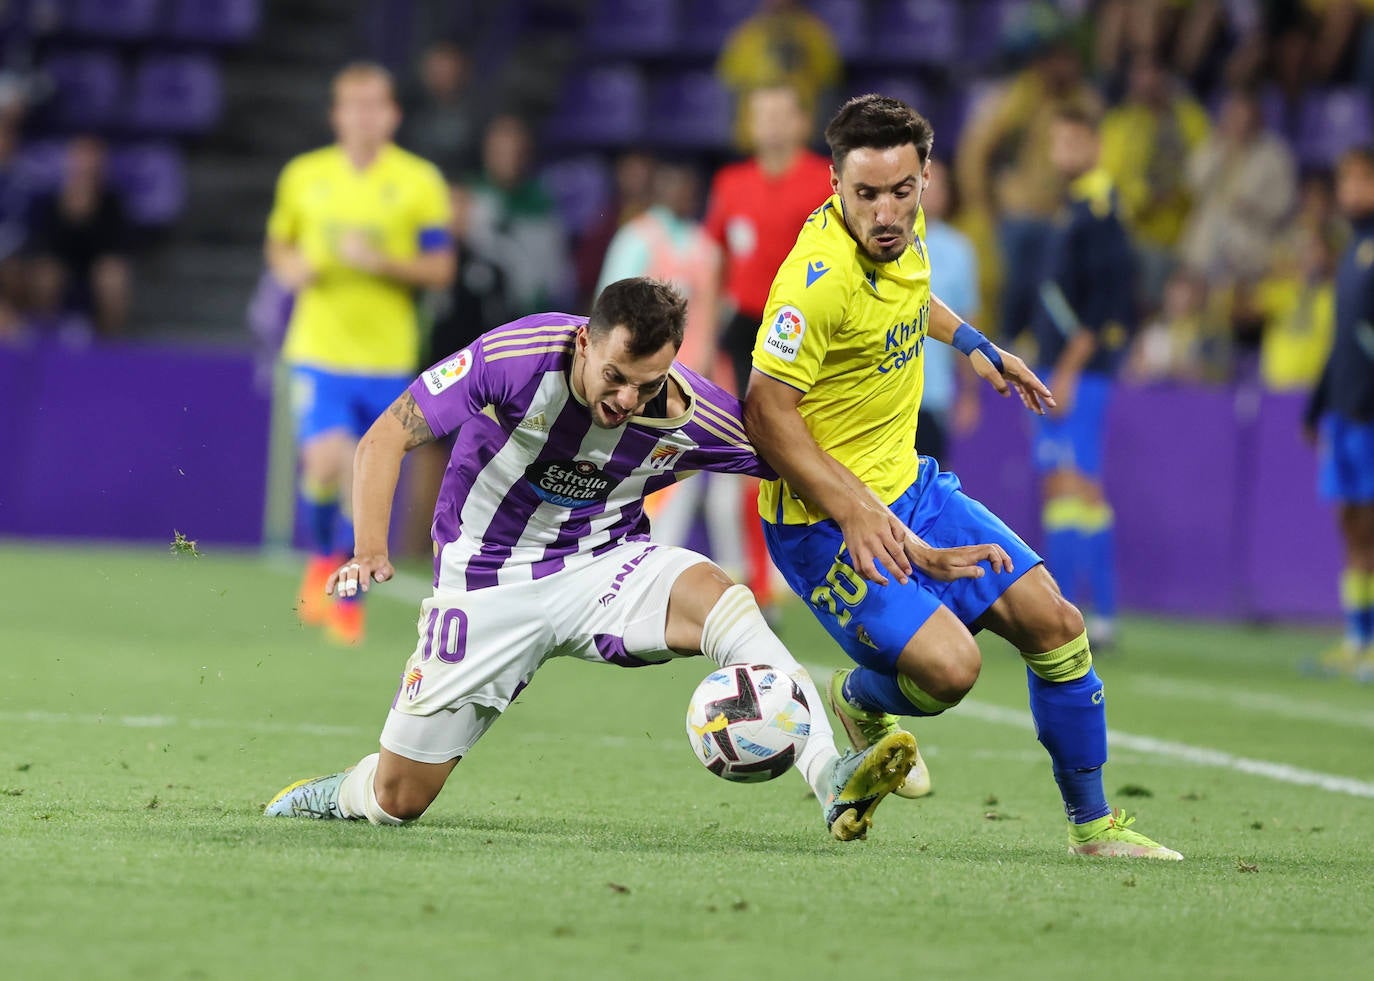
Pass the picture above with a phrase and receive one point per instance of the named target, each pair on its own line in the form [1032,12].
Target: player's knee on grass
[406,794]
[405,801]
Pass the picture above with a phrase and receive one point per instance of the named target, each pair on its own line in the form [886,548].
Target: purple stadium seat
[900,86]
[918,32]
[690,110]
[88,86]
[114,19]
[847,22]
[14,18]
[581,188]
[216,21]
[632,28]
[991,27]
[175,94]
[706,24]
[1331,122]
[600,107]
[152,180]
[39,164]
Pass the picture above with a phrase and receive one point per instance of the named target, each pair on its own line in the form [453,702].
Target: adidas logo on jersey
[535,422]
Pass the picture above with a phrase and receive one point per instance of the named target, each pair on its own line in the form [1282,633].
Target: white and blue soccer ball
[748,723]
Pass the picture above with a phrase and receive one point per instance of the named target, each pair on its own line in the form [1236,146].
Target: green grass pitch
[151,702]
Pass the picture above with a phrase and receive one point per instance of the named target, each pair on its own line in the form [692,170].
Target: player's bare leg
[1069,707]
[383,788]
[405,788]
[1355,656]
[935,669]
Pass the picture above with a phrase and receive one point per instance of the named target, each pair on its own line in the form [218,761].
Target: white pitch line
[1198,755]
[172,721]
[1274,705]
[294,728]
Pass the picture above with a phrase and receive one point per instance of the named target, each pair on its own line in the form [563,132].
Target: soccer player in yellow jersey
[897,563]
[356,229]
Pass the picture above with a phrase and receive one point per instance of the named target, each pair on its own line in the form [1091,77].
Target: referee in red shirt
[755,209]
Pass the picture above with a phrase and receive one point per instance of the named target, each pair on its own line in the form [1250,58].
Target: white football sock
[735,632]
[358,799]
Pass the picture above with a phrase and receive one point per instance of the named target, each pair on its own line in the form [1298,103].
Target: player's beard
[871,248]
[877,252]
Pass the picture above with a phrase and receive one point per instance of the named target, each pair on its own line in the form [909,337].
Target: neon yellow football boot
[864,728]
[860,781]
[1112,837]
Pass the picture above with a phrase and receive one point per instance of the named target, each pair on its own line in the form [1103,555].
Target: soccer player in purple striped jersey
[542,547]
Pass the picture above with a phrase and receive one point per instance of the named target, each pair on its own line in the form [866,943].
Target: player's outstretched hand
[1014,376]
[358,573]
[960,562]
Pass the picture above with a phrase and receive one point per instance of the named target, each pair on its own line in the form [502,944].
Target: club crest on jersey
[663,456]
[441,376]
[574,484]
[414,678]
[785,334]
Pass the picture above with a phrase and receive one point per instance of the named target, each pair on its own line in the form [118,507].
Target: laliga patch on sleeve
[785,333]
[442,376]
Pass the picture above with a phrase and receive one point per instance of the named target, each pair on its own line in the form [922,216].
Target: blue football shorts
[1346,469]
[1074,441]
[322,401]
[872,622]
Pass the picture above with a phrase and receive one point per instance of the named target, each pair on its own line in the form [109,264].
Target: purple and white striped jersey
[533,484]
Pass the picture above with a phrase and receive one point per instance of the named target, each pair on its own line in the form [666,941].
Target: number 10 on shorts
[446,635]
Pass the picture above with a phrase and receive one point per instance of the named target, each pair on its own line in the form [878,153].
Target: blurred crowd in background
[562,124]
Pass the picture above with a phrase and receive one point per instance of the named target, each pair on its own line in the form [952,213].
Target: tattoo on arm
[412,420]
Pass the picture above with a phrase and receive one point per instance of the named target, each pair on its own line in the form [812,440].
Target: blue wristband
[968,338]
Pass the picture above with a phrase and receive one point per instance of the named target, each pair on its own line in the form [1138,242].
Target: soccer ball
[748,723]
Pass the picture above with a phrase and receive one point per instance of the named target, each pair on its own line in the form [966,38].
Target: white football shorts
[477,650]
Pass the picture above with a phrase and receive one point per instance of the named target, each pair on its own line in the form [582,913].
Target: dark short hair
[877,122]
[654,313]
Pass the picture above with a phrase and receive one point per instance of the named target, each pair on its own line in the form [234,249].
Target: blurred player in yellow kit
[357,227]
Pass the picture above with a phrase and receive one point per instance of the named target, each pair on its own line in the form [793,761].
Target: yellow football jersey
[850,334]
[348,321]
